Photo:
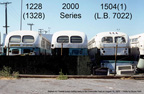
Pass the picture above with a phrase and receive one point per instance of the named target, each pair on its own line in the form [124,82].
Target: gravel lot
[71,86]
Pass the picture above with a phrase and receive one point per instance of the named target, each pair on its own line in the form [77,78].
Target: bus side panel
[42,51]
[48,52]
[92,53]
[78,51]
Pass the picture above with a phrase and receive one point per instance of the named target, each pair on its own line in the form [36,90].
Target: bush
[62,76]
[6,72]
[15,74]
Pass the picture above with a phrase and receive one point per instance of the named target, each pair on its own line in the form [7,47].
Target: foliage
[15,74]
[62,76]
[6,72]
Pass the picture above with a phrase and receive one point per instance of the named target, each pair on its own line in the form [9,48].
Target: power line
[5,3]
[118,29]
[42,31]
[14,15]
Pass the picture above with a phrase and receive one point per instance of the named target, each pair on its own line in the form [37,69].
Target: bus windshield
[15,39]
[107,40]
[63,39]
[76,39]
[120,39]
[28,39]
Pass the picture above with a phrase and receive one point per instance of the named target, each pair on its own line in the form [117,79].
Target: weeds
[15,74]
[6,72]
[62,76]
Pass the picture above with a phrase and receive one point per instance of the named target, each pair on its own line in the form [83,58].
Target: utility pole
[116,58]
[0,39]
[21,15]
[5,3]
[40,30]
[49,29]
[61,48]
[30,24]
[45,31]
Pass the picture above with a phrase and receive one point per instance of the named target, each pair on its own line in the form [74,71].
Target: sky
[52,9]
